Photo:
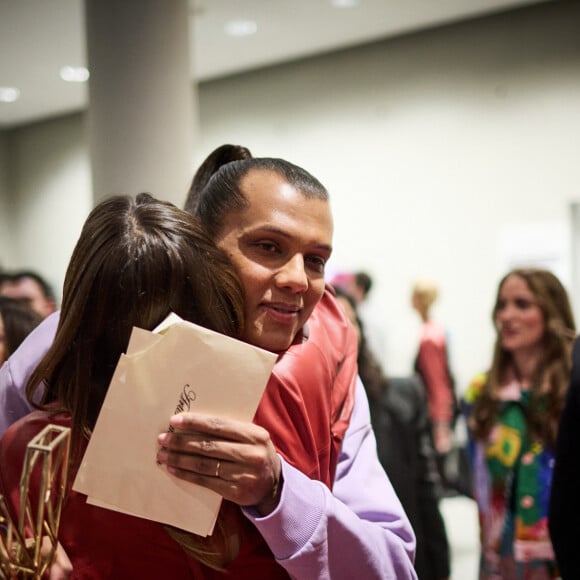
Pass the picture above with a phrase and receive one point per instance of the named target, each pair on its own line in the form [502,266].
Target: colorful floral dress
[512,478]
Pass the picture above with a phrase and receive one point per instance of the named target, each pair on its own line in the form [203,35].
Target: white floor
[460,515]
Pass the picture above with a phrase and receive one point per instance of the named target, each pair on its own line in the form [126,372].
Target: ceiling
[38,37]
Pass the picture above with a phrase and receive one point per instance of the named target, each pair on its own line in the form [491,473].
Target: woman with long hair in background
[513,411]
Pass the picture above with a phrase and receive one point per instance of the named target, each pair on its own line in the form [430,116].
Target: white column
[142,97]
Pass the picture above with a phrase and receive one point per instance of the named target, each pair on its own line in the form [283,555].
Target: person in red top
[432,365]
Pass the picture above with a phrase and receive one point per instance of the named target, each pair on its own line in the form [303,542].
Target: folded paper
[182,367]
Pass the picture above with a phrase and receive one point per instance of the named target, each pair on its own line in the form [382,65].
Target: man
[564,511]
[30,288]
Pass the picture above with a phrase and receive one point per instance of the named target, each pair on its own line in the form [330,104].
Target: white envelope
[185,367]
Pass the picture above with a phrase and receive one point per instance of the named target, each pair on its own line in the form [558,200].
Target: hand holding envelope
[183,367]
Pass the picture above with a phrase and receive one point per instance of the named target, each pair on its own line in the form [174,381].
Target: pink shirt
[432,365]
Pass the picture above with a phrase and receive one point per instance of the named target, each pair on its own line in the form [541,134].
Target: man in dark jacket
[564,511]
[405,449]
[402,429]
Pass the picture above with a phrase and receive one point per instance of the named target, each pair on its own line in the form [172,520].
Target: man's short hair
[21,274]
[364,281]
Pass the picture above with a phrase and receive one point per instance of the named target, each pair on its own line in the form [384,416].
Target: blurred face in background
[2,343]
[518,317]
[30,292]
[351,315]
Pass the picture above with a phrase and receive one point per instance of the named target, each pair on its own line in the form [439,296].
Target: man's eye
[317,262]
[267,247]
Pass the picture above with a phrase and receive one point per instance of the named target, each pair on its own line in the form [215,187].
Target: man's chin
[273,343]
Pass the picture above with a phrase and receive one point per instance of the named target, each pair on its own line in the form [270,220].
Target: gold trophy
[27,547]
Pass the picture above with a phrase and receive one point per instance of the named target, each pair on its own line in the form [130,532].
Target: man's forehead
[22,287]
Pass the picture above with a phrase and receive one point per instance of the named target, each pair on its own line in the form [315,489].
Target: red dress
[306,408]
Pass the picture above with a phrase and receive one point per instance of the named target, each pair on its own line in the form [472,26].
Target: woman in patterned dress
[513,413]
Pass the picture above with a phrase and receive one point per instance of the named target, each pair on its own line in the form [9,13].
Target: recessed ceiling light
[9,94]
[345,3]
[240,28]
[74,74]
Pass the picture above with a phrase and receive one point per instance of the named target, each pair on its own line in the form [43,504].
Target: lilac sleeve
[17,369]
[360,530]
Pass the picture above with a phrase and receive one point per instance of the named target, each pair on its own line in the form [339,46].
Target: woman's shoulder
[16,439]
[20,433]
[38,419]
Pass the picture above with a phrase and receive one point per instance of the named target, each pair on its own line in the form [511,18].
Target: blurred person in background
[402,429]
[564,511]
[513,411]
[16,321]
[432,365]
[358,286]
[31,288]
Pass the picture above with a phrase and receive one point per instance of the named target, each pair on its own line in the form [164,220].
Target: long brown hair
[552,374]
[136,260]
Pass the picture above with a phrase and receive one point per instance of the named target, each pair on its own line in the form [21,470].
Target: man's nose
[293,274]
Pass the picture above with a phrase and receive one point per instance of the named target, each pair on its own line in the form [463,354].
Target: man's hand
[235,459]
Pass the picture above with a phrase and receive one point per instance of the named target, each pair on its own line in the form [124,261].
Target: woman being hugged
[513,412]
[136,261]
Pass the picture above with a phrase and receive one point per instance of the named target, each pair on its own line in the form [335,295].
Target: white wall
[433,146]
[5,206]
[50,175]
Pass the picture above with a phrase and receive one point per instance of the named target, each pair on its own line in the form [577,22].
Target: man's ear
[50,306]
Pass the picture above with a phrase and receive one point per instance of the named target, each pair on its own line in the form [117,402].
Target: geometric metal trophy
[27,547]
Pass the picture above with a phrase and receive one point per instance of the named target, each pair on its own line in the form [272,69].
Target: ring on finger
[217,468]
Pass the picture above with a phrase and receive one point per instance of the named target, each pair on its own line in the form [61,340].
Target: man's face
[29,291]
[2,343]
[279,245]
